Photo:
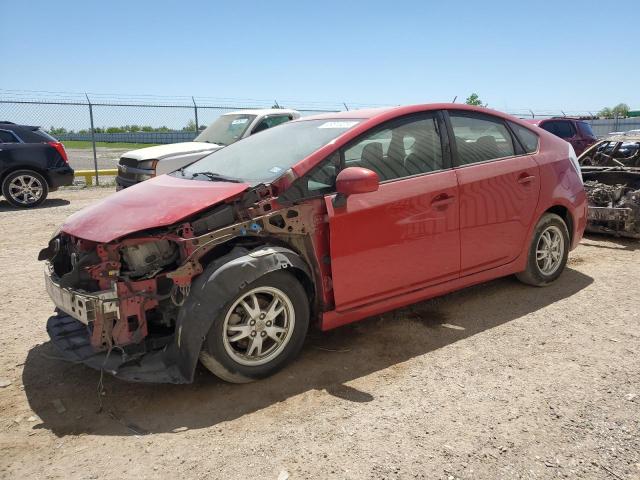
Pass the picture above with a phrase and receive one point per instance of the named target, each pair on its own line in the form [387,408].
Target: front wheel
[548,251]
[25,188]
[259,331]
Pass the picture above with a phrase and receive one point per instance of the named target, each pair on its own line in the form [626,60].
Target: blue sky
[515,54]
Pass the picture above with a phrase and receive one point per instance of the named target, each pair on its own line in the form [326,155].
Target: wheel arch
[564,213]
[220,282]
[14,168]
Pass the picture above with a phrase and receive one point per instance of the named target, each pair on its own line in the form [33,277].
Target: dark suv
[32,164]
[577,132]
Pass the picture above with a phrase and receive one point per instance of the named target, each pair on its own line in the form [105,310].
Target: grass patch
[122,145]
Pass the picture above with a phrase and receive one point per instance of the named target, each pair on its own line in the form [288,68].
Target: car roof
[391,112]
[262,111]
[9,125]
[538,121]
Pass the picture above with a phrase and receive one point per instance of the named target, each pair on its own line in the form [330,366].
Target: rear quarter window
[44,136]
[585,129]
[528,139]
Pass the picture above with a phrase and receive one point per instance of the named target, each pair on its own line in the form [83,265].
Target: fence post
[93,139]
[195,110]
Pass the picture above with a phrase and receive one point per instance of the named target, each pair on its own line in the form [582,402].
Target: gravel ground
[495,381]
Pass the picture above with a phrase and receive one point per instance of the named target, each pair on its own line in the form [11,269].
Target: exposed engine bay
[611,174]
[615,208]
[128,293]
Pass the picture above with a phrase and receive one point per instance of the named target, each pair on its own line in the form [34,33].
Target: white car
[144,163]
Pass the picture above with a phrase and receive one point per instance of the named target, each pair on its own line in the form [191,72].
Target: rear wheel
[259,331]
[25,188]
[548,251]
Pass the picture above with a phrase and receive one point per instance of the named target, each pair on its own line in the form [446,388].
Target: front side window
[402,148]
[226,130]
[480,138]
[266,157]
[405,147]
[560,128]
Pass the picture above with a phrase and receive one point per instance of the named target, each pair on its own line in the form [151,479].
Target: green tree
[58,130]
[605,113]
[621,110]
[474,99]
[189,127]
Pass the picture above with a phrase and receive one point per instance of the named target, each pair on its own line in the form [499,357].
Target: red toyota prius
[324,220]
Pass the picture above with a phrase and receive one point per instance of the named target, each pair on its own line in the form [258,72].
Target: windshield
[266,156]
[226,129]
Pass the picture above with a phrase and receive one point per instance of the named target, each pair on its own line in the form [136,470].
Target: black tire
[215,356]
[24,200]
[534,274]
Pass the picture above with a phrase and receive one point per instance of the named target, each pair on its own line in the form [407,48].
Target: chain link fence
[98,128]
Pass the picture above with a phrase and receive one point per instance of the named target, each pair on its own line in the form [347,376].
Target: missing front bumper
[83,307]
[72,338]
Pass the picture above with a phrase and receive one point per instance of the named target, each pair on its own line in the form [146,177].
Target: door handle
[442,200]
[525,179]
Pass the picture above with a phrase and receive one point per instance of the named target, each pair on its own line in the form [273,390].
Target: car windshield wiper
[216,177]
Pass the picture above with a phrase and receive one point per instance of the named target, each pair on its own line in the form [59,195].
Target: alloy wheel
[26,189]
[258,326]
[550,250]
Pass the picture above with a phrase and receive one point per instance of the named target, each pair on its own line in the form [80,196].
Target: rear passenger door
[8,141]
[499,185]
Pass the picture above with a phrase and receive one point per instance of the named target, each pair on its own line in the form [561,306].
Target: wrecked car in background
[611,173]
[327,219]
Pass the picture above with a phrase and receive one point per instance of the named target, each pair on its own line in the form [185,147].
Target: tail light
[60,148]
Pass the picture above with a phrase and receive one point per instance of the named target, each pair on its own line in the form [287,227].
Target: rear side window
[480,138]
[560,128]
[7,137]
[528,139]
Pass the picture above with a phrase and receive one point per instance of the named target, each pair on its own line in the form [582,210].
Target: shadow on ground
[48,203]
[620,243]
[329,360]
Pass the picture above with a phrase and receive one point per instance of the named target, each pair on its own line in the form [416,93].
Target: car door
[499,185]
[8,141]
[404,236]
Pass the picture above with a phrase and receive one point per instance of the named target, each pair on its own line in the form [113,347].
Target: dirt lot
[496,381]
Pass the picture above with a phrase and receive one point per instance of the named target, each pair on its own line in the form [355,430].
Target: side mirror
[354,180]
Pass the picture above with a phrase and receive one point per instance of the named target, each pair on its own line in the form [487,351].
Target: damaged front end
[611,174]
[120,304]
